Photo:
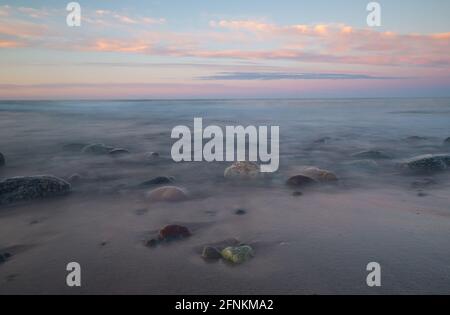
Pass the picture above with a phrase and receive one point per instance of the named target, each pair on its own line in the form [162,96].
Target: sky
[182,49]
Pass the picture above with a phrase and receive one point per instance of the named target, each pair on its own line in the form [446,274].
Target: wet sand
[316,243]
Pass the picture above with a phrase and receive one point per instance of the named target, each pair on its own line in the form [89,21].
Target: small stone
[2,159]
[300,180]
[242,170]
[297,194]
[371,154]
[97,148]
[421,194]
[118,151]
[160,180]
[174,232]
[211,253]
[152,242]
[238,254]
[168,194]
[240,212]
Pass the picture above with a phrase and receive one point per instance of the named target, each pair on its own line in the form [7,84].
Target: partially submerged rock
[4,257]
[75,178]
[370,154]
[2,159]
[428,163]
[319,175]
[240,211]
[97,148]
[32,187]
[238,254]
[167,193]
[447,141]
[118,151]
[160,180]
[242,170]
[300,180]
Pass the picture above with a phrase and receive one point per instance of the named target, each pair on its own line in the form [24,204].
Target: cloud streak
[292,76]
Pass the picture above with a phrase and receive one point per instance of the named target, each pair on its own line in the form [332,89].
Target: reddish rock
[173,232]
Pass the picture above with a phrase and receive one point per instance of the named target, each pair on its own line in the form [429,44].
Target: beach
[316,242]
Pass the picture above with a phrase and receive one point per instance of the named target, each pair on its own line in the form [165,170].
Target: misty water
[316,243]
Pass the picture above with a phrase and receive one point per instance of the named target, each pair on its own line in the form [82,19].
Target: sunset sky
[224,49]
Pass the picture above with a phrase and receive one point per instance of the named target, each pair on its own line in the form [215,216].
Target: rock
[153,155]
[416,138]
[240,212]
[174,232]
[168,193]
[160,180]
[427,163]
[421,194]
[31,187]
[118,151]
[152,242]
[300,180]
[238,254]
[297,194]
[242,170]
[370,154]
[447,141]
[319,174]
[211,253]
[97,148]
[2,159]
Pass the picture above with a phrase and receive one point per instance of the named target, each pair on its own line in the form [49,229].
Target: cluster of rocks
[231,251]
[26,188]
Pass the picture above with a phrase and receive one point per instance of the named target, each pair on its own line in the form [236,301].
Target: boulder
[97,148]
[319,174]
[167,193]
[242,170]
[370,154]
[31,187]
[174,232]
[300,180]
[2,159]
[238,254]
[428,163]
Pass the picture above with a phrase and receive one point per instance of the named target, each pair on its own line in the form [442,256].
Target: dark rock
[160,180]
[2,159]
[4,257]
[97,148]
[174,232]
[416,138]
[447,141]
[297,194]
[31,187]
[421,194]
[118,151]
[323,140]
[240,212]
[428,163]
[300,180]
[211,253]
[152,242]
[370,154]
[74,178]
